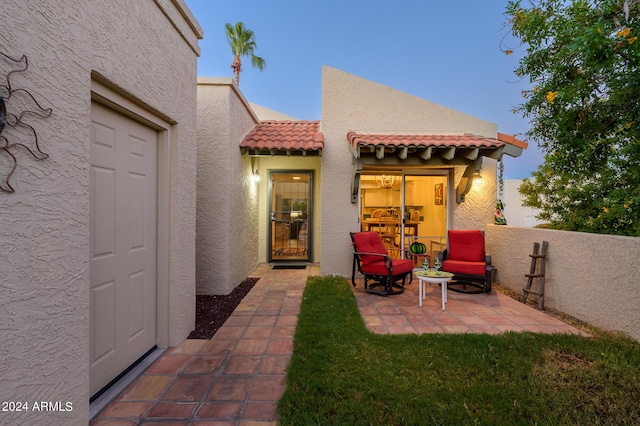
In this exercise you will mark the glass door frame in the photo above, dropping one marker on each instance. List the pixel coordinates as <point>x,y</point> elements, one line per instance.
<point>445,172</point>
<point>310,209</point>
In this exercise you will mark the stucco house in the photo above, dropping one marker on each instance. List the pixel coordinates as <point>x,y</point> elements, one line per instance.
<point>98,240</point>
<point>149,195</point>
<point>374,148</point>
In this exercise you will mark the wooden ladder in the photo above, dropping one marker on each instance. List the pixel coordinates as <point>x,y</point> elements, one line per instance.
<point>533,274</point>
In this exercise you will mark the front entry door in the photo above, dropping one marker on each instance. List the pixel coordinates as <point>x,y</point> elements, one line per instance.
<point>123,243</point>
<point>290,208</point>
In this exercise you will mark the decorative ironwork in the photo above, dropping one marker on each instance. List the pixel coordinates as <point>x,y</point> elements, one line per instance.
<point>27,105</point>
<point>499,218</point>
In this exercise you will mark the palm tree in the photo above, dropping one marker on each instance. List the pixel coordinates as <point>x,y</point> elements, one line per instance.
<point>242,43</point>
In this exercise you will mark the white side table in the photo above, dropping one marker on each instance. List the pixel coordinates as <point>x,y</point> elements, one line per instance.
<point>434,277</point>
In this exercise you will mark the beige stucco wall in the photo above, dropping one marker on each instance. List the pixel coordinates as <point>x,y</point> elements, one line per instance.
<point>350,103</point>
<point>147,52</point>
<point>479,206</point>
<point>591,277</point>
<point>227,207</point>
<point>266,114</point>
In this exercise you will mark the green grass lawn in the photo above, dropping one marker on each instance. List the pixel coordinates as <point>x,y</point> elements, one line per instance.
<point>341,373</point>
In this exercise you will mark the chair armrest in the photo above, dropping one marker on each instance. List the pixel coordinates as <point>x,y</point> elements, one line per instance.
<point>361,253</point>
<point>385,257</point>
<point>407,252</point>
<point>487,259</point>
<point>356,263</point>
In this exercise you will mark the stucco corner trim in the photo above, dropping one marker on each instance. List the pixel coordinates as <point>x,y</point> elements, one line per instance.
<point>182,22</point>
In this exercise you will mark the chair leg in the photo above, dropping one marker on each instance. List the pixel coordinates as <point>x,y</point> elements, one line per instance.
<point>353,271</point>
<point>388,287</point>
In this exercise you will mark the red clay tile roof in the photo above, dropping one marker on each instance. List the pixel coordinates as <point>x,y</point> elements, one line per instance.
<point>421,141</point>
<point>512,140</point>
<point>284,137</point>
<point>430,145</point>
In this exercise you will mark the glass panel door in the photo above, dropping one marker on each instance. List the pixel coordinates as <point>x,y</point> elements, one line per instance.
<point>290,207</point>
<point>406,209</point>
<point>381,208</point>
<point>425,215</point>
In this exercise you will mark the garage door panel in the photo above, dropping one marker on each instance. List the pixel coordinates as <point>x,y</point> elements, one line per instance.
<point>103,305</point>
<point>137,203</point>
<point>103,211</point>
<point>137,305</point>
<point>136,146</point>
<point>104,136</point>
<point>123,243</point>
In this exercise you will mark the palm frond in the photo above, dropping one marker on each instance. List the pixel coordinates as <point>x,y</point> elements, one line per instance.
<point>242,43</point>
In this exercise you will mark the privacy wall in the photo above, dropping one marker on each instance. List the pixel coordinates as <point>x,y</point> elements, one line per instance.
<point>591,277</point>
<point>227,207</point>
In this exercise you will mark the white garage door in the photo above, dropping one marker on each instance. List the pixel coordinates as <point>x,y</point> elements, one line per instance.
<point>123,243</point>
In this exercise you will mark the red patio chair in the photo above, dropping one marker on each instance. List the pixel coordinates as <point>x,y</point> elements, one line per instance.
<point>371,259</point>
<point>466,259</point>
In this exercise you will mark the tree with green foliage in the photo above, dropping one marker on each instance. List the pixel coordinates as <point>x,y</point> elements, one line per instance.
<point>583,62</point>
<point>242,42</point>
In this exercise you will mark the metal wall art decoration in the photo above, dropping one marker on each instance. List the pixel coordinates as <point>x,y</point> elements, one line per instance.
<point>17,105</point>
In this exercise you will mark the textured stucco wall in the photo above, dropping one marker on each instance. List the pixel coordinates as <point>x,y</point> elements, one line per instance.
<point>44,264</point>
<point>352,103</point>
<point>227,207</point>
<point>480,202</point>
<point>591,277</point>
<point>266,114</point>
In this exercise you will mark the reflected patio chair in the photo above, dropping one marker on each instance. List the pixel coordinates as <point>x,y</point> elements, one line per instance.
<point>411,226</point>
<point>465,257</point>
<point>383,275</point>
<point>377,213</point>
<point>389,232</point>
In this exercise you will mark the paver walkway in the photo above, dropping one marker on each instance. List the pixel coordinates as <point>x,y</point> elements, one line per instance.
<point>237,377</point>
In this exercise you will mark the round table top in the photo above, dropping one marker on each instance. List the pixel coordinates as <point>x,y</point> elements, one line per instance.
<point>432,275</point>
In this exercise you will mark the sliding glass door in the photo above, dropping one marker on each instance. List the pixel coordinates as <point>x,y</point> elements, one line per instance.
<point>406,208</point>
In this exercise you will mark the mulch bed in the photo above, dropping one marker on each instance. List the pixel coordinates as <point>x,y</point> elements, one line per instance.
<point>213,311</point>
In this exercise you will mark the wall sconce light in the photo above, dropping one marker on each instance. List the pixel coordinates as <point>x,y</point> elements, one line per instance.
<point>470,178</point>
<point>477,178</point>
<point>255,167</point>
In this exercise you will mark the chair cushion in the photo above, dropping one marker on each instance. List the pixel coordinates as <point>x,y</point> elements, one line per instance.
<point>464,267</point>
<point>369,242</point>
<point>466,245</point>
<point>400,267</point>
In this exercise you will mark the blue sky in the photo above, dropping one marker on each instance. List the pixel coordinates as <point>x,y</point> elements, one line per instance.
<point>445,52</point>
